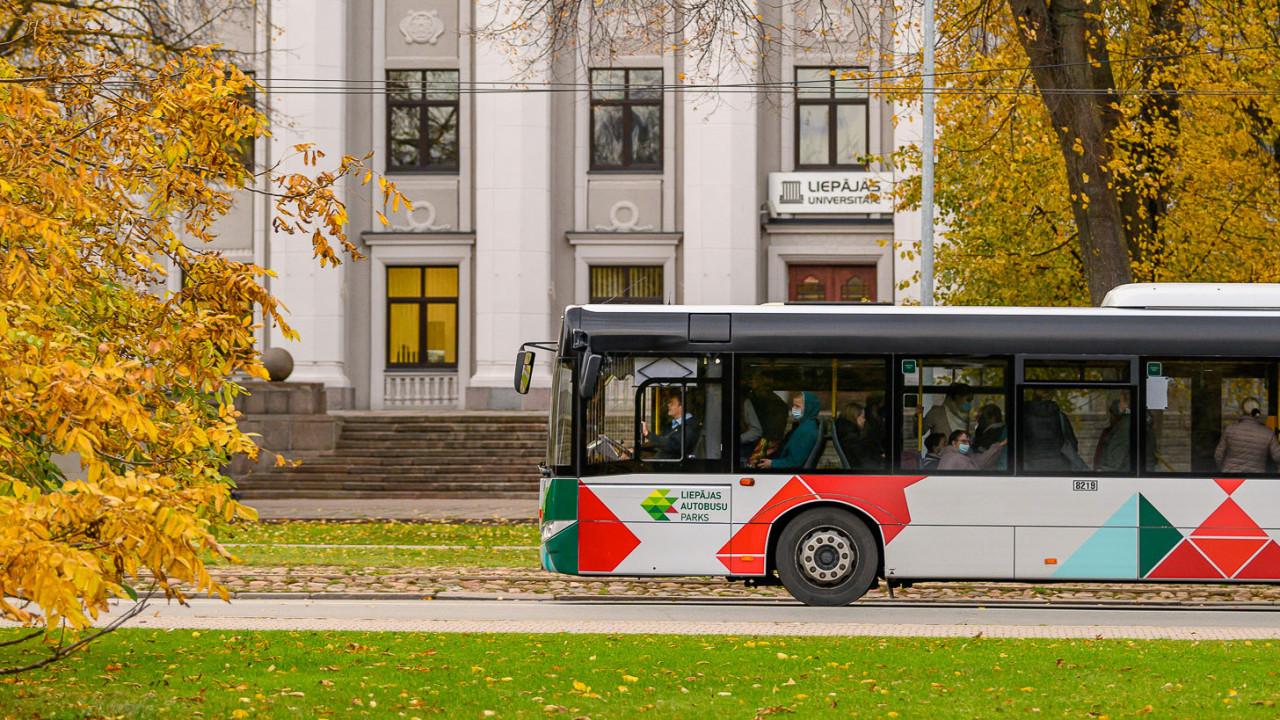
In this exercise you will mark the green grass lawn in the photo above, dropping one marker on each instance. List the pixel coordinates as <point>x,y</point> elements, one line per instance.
<point>465,545</point>
<point>222,674</point>
<point>479,557</point>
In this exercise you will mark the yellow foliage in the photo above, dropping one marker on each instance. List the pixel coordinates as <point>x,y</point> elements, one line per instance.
<point>110,173</point>
<point>1193,159</point>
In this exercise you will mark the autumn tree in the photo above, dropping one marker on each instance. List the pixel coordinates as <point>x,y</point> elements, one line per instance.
<point>1084,144</point>
<point>112,174</point>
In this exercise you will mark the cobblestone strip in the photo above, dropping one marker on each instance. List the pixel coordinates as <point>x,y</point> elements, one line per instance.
<point>320,580</point>
<point>709,628</point>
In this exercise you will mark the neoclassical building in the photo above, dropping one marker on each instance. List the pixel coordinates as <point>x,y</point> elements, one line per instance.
<point>593,181</point>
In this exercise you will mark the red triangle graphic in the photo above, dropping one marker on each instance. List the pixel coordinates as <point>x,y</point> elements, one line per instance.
<point>1230,485</point>
<point>1264,566</point>
<point>885,498</point>
<point>1229,520</point>
<point>1185,563</point>
<point>1229,554</point>
<point>603,541</point>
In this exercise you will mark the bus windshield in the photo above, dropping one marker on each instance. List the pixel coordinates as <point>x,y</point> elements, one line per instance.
<point>560,438</point>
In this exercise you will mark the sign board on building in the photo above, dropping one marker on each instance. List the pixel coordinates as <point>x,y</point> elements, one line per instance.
<point>829,193</point>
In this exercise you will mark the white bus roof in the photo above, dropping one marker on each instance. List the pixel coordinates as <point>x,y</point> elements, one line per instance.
<point>1188,296</point>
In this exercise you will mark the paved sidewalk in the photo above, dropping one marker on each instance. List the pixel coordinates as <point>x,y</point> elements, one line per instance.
<point>709,618</point>
<point>397,509</point>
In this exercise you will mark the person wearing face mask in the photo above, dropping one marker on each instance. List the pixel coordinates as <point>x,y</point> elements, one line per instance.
<point>795,450</point>
<point>952,413</point>
<point>955,455</point>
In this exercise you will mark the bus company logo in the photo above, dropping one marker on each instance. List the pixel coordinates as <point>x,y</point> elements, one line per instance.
<point>659,505</point>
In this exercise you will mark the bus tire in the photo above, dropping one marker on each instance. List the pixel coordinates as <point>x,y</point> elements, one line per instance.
<point>826,557</point>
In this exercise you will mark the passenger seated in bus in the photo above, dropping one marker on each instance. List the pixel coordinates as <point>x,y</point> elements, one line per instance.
<point>1048,440</point>
<point>678,440</point>
<point>991,430</point>
<point>771,415</point>
<point>859,448</point>
<point>955,454</point>
<point>933,443</point>
<point>799,444</point>
<point>1246,443</point>
<point>952,413</point>
<point>1112,454</point>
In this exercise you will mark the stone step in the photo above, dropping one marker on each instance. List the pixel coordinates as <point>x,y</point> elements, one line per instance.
<point>496,440</point>
<point>416,478</point>
<point>421,455</point>
<point>285,494</point>
<point>460,440</point>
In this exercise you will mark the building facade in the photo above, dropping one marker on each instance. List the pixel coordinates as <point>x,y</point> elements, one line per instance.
<point>586,181</point>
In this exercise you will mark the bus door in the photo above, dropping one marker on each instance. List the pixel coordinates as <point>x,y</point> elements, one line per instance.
<point>1077,463</point>
<point>654,496</point>
<point>964,509</point>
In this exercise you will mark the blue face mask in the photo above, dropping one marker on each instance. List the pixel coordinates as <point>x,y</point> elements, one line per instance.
<point>963,448</point>
<point>797,413</point>
<point>966,406</point>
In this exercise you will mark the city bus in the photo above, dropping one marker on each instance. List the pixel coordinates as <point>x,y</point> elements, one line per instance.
<point>831,447</point>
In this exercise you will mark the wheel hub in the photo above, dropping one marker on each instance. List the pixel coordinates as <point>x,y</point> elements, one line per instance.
<point>826,556</point>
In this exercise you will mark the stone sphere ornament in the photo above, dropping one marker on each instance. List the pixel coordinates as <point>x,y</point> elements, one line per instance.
<point>279,364</point>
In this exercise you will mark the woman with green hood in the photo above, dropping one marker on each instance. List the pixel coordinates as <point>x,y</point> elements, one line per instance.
<point>795,451</point>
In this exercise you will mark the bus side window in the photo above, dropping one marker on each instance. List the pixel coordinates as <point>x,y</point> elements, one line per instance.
<point>1075,417</point>
<point>1206,422</point>
<point>946,400</point>
<point>812,413</point>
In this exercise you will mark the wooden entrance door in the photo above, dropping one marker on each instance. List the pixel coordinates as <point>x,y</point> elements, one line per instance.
<point>831,283</point>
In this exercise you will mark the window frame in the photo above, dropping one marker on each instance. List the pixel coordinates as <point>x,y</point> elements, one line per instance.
<point>891,415</point>
<point>1136,396</point>
<point>423,106</point>
<point>423,302</point>
<point>627,103</point>
<point>901,390</point>
<point>832,102</point>
<point>630,282</point>
<point>1272,407</point>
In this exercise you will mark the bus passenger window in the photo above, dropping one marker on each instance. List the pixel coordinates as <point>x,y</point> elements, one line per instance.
<point>1076,430</point>
<point>812,413</point>
<point>953,415</point>
<point>1203,426</point>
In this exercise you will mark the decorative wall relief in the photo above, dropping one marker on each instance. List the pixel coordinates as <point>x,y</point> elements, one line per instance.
<point>416,225</point>
<point>422,26</point>
<point>618,224</point>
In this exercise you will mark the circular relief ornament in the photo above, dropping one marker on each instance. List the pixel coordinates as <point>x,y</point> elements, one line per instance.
<point>422,26</point>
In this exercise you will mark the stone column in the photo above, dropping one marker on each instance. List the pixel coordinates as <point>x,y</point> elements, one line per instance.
<point>310,45</point>
<point>512,220</point>
<point>721,200</point>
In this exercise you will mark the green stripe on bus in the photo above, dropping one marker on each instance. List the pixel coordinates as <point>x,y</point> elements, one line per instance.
<point>561,500</point>
<point>560,551</point>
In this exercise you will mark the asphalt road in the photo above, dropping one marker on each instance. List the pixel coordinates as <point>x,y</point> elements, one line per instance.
<point>722,617</point>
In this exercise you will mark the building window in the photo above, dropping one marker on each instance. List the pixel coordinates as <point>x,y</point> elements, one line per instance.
<point>626,119</point>
<point>422,120</point>
<point>628,284</point>
<point>831,118</point>
<point>422,317</point>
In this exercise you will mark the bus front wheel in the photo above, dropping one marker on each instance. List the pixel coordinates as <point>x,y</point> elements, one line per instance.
<point>826,557</point>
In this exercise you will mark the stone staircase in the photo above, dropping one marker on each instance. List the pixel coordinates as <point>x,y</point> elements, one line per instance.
<point>428,455</point>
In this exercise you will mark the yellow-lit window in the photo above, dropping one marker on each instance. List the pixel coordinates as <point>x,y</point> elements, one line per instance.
<point>422,317</point>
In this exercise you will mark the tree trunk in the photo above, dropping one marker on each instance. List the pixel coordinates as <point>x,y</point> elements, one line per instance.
<point>1071,67</point>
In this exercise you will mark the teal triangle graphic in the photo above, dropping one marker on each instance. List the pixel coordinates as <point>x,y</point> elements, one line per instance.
<point>1156,537</point>
<point>1111,551</point>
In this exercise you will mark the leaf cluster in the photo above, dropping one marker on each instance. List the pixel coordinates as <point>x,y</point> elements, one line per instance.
<point>112,177</point>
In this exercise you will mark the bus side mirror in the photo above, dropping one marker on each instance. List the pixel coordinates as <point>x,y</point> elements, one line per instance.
<point>590,373</point>
<point>524,371</point>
